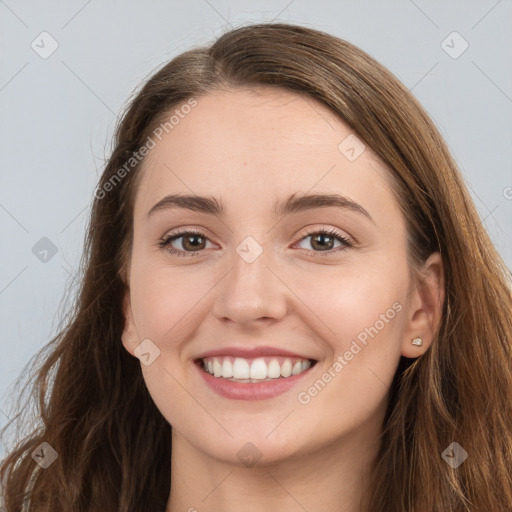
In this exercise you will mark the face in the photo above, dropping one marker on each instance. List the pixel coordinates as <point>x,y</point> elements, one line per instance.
<point>258,281</point>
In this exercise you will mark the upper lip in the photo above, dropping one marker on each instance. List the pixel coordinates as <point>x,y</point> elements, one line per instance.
<point>251,353</point>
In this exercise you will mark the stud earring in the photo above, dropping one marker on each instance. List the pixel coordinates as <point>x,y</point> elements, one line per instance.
<point>417,341</point>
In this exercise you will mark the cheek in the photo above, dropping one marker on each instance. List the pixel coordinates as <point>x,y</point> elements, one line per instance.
<point>362,314</point>
<point>158,299</point>
<point>166,303</point>
<point>367,317</point>
<point>349,302</point>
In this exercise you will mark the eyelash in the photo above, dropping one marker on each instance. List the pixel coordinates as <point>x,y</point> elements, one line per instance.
<point>165,242</point>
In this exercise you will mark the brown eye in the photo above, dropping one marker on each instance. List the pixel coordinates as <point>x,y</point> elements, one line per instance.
<point>192,243</point>
<point>323,241</point>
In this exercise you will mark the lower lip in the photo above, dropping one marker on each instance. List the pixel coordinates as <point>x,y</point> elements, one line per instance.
<point>248,391</point>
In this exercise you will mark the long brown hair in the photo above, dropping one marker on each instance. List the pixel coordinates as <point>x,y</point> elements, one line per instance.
<point>114,446</point>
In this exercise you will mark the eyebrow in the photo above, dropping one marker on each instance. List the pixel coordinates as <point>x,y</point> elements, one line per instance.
<point>210,205</point>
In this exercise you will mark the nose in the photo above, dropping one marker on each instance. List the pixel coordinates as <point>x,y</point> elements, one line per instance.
<point>251,292</point>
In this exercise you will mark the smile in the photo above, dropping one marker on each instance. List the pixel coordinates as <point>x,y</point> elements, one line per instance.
<point>255,370</point>
<point>256,376</point>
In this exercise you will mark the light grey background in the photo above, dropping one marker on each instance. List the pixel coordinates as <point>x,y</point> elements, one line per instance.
<point>57,115</point>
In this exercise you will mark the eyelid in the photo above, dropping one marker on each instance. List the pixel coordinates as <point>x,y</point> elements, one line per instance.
<point>307,231</point>
<point>316,228</point>
<point>165,241</point>
<point>184,230</point>
<point>347,242</point>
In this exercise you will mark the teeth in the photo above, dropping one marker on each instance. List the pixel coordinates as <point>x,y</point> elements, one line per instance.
<point>240,368</point>
<point>274,370</point>
<point>286,368</point>
<point>217,368</point>
<point>258,369</point>
<point>254,370</point>
<point>297,368</point>
<point>227,368</point>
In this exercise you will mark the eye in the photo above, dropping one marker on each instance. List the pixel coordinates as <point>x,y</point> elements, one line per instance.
<point>193,241</point>
<point>323,239</point>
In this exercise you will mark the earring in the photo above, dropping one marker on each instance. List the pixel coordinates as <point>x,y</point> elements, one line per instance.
<point>417,341</point>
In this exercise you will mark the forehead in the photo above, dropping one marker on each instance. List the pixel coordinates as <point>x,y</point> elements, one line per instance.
<point>258,145</point>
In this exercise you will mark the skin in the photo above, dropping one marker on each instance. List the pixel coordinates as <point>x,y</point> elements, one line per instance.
<point>249,148</point>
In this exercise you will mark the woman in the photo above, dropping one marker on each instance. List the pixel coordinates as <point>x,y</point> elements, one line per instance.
<point>372,373</point>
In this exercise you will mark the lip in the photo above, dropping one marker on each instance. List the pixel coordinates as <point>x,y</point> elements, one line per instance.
<point>248,391</point>
<point>251,353</point>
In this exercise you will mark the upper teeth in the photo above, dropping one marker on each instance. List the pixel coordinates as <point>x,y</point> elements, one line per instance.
<point>257,369</point>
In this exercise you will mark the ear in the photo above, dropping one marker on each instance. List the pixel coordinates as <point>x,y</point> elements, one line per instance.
<point>425,306</point>
<point>130,337</point>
